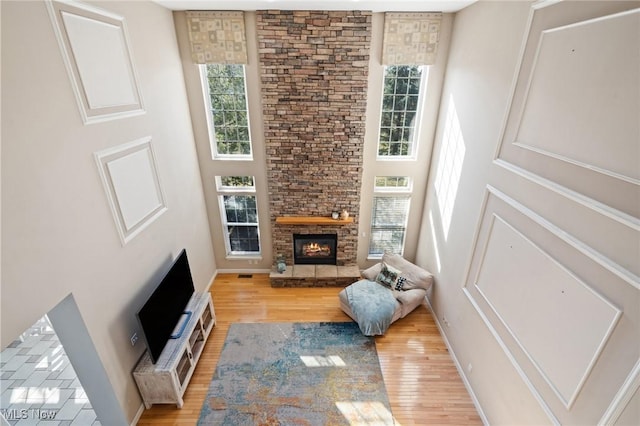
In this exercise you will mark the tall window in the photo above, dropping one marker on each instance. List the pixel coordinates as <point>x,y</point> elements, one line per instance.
<point>401,100</point>
<point>389,216</point>
<point>239,214</point>
<point>229,117</point>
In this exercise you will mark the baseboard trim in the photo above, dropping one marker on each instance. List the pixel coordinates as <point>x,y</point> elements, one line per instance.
<point>213,278</point>
<point>461,372</point>
<point>243,271</point>
<point>136,418</point>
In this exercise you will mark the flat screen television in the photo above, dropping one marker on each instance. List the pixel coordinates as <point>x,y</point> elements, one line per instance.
<point>161,313</point>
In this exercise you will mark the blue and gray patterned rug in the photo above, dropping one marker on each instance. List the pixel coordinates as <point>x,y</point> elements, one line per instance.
<point>297,374</point>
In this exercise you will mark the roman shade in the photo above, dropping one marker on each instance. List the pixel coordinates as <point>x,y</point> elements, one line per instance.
<point>217,37</point>
<point>411,38</point>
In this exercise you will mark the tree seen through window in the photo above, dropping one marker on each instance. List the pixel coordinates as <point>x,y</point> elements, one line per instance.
<point>229,109</point>
<point>400,101</point>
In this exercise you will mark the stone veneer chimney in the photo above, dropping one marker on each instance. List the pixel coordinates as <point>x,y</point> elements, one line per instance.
<point>314,69</point>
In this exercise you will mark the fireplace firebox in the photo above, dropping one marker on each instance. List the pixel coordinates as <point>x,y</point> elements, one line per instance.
<point>315,249</point>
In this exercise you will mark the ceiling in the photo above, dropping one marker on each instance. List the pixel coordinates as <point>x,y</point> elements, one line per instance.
<point>372,5</point>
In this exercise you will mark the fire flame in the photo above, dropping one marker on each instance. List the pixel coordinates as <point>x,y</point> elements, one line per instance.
<point>315,248</point>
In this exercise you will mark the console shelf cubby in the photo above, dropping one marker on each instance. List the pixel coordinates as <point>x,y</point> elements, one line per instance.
<point>166,381</point>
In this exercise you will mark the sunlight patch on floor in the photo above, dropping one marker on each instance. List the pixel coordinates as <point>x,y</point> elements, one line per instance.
<point>323,361</point>
<point>366,413</point>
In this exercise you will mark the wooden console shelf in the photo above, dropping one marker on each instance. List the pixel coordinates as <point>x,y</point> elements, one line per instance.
<point>165,381</point>
<point>311,220</point>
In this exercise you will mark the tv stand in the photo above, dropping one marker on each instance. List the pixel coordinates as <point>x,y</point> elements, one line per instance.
<point>166,381</point>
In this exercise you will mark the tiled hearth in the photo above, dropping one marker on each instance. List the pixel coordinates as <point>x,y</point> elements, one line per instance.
<point>315,276</point>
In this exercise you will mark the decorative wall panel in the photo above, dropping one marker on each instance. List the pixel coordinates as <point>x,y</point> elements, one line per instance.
<point>130,179</point>
<point>544,306</point>
<point>575,108</point>
<point>554,270</point>
<point>96,52</point>
<point>563,318</point>
<point>596,127</point>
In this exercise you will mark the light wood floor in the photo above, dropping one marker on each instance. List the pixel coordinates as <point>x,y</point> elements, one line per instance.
<point>422,382</point>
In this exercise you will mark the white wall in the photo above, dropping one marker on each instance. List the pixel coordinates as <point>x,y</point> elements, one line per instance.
<point>417,170</point>
<point>59,235</point>
<point>210,168</point>
<point>536,288</point>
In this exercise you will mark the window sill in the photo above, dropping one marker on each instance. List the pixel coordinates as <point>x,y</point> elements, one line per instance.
<point>233,158</point>
<point>243,257</point>
<point>400,159</point>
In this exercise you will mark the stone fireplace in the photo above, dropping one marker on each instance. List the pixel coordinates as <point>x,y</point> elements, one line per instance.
<point>315,249</point>
<point>314,71</point>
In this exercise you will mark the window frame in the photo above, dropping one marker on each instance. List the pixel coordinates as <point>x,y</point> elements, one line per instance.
<point>393,189</point>
<point>245,191</point>
<point>417,128</point>
<point>211,130</point>
<point>386,192</point>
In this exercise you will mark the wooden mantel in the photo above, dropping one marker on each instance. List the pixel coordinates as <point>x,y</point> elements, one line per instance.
<point>311,220</point>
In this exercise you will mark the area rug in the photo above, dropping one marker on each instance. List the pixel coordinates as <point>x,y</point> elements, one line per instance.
<point>297,374</point>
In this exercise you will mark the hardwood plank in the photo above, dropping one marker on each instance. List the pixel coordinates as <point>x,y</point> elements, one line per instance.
<point>421,380</point>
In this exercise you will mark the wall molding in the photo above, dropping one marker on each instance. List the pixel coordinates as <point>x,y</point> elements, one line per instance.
<point>130,178</point>
<point>525,379</point>
<point>518,69</point>
<point>568,402</point>
<point>574,162</point>
<point>456,362</point>
<point>613,267</point>
<point>621,217</point>
<point>481,304</point>
<point>623,397</point>
<point>522,105</point>
<point>514,363</point>
<point>104,82</point>
<point>591,178</point>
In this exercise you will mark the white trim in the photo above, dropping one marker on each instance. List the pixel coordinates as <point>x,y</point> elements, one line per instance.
<point>243,271</point>
<point>247,256</point>
<point>415,142</point>
<point>540,4</point>
<point>515,112</point>
<point>103,158</point>
<point>138,415</point>
<point>213,278</point>
<point>206,96</point>
<point>516,75</point>
<point>513,361</point>
<point>456,362</point>
<point>613,267</point>
<point>623,397</point>
<point>568,403</point>
<point>527,90</point>
<point>406,196</point>
<point>601,208</point>
<point>393,189</point>
<point>90,115</point>
<point>574,162</point>
<point>250,255</point>
<point>232,189</point>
